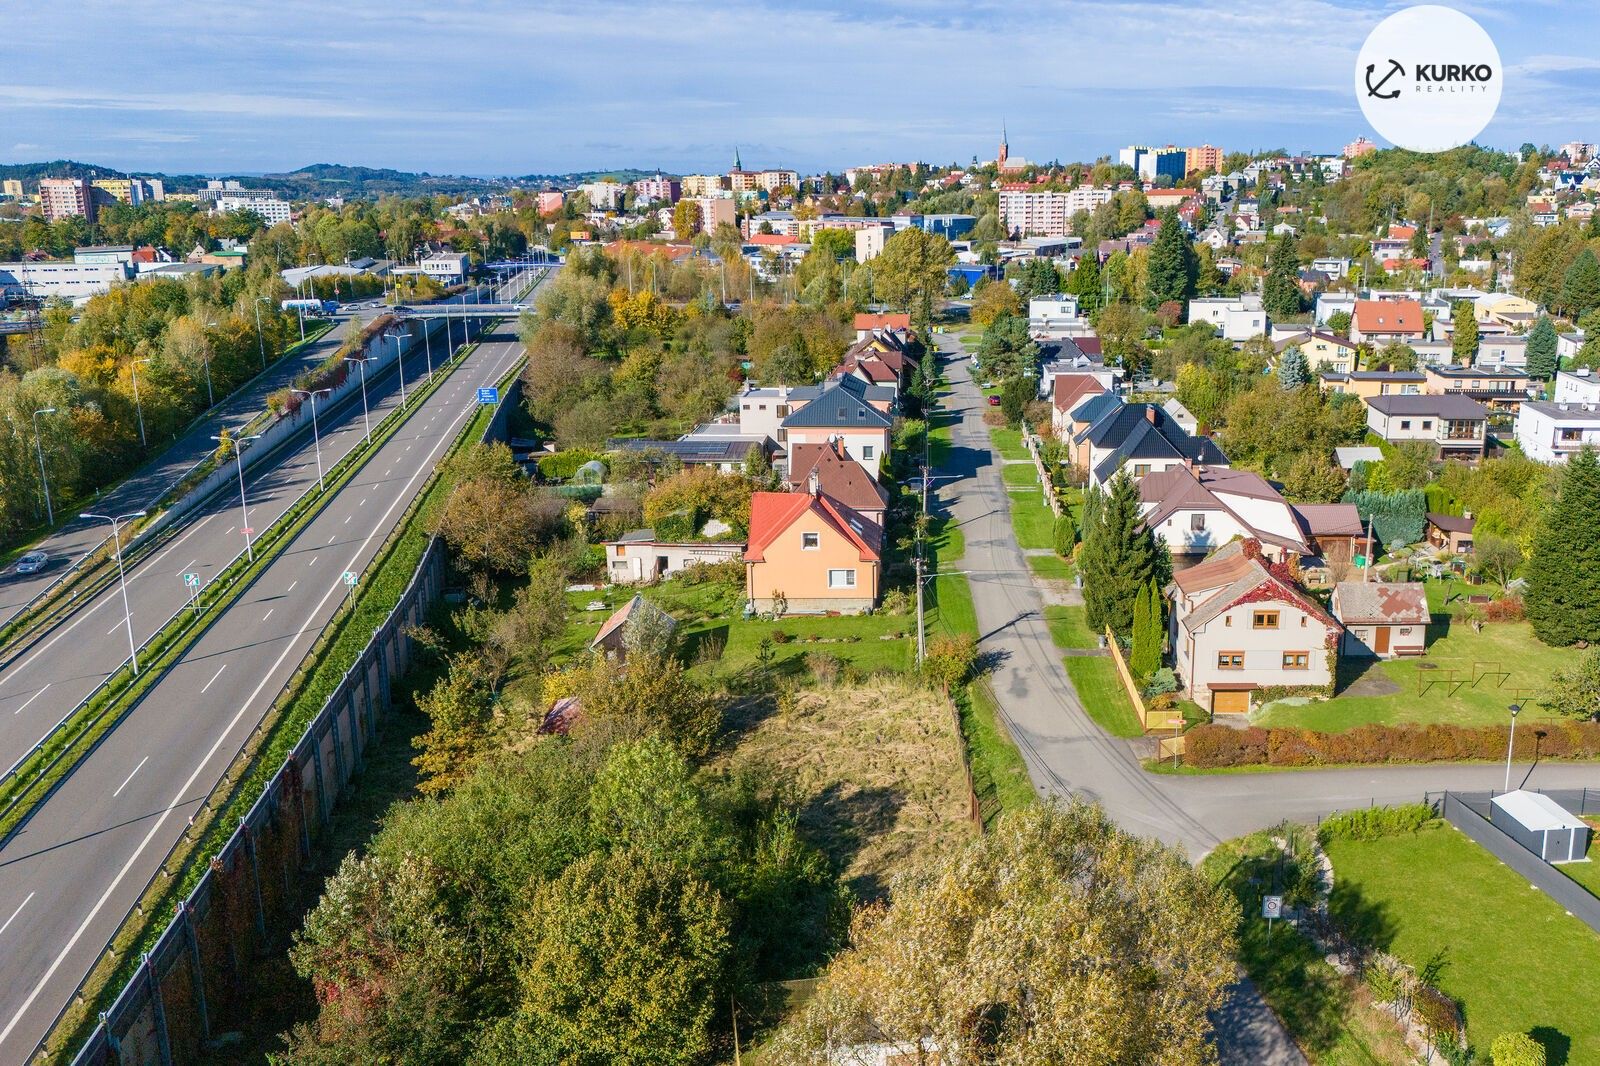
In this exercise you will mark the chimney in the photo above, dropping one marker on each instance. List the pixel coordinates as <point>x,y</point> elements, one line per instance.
<point>1150,413</point>
<point>811,482</point>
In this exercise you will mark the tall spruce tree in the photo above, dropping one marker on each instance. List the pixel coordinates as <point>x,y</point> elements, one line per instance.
<point>1563,597</point>
<point>1293,370</point>
<point>1119,556</point>
<point>1280,294</point>
<point>1543,359</point>
<point>1170,271</point>
<point>1580,288</point>
<point>1464,337</point>
<point>1084,283</point>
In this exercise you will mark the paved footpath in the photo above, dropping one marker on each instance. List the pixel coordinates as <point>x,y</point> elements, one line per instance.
<point>1067,754</point>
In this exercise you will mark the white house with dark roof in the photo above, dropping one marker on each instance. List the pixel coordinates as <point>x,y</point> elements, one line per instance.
<point>1453,424</point>
<point>1552,432</point>
<point>1197,509</point>
<point>842,413</point>
<point>1237,627</point>
<point>1577,386</point>
<point>1143,438</point>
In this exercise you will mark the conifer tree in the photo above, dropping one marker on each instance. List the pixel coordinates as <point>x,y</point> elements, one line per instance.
<point>1543,360</point>
<point>1563,598</point>
<point>1280,294</point>
<point>1119,556</point>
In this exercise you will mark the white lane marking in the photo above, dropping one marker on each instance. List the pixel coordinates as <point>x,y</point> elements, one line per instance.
<point>183,790</point>
<point>268,614</point>
<point>16,912</point>
<point>347,518</point>
<point>331,539</point>
<point>313,561</point>
<point>186,567</point>
<point>214,676</point>
<point>31,698</point>
<point>230,530</point>
<point>292,584</point>
<point>125,780</point>
<point>363,503</point>
<point>114,628</point>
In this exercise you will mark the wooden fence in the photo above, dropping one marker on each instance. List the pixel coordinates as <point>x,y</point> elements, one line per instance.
<point>1148,719</point>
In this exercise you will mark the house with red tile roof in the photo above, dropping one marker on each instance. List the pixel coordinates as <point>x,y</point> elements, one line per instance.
<point>866,322</point>
<point>1196,508</point>
<point>1068,391</point>
<point>812,553</point>
<point>1382,321</point>
<point>1382,618</point>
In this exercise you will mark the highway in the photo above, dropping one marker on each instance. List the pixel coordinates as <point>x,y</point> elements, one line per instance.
<point>78,538</point>
<point>70,877</point>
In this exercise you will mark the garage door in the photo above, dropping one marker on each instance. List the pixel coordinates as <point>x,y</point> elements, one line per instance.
<point>1230,703</point>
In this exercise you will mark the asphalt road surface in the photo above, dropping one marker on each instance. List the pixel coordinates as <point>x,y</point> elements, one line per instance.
<point>69,878</point>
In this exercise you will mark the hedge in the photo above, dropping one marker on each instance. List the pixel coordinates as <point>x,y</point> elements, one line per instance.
<point>1373,823</point>
<point>1213,746</point>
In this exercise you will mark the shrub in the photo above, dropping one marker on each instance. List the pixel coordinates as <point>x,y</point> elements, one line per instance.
<point>1161,682</point>
<point>950,659</point>
<point>1372,823</point>
<point>563,465</point>
<point>896,601</point>
<point>993,416</point>
<point>1505,609</point>
<point>1516,1049</point>
<point>825,669</point>
<point>780,637</point>
<point>1218,746</point>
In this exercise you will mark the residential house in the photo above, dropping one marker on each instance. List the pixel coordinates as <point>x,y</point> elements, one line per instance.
<point>1379,322</point>
<point>1382,619</point>
<point>1068,391</point>
<point>1084,413</point>
<point>1501,388</point>
<point>1369,383</point>
<point>813,553</point>
<point>1067,356</point>
<point>1577,386</point>
<point>1450,532</point>
<point>1507,350</point>
<point>726,453</point>
<point>1145,439</point>
<point>637,557</point>
<point>1551,432</point>
<point>842,412</point>
<point>1196,509</point>
<point>1335,534</point>
<point>1505,310</point>
<point>1182,415</point>
<point>1238,625</point>
<point>1236,318</point>
<point>825,468</point>
<point>1323,351</point>
<point>1453,424</point>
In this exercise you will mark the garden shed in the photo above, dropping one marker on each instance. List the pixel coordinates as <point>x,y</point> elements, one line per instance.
<point>1541,825</point>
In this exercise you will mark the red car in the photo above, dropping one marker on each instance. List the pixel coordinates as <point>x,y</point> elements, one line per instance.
<point>994,401</point>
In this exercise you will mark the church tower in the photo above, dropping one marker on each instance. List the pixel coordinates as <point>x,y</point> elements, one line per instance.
<point>1000,159</point>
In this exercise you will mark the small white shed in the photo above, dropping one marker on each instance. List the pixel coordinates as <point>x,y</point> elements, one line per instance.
<point>1541,825</point>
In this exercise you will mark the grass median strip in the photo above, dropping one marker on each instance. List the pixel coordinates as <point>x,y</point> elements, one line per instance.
<point>326,663</point>
<point>38,775</point>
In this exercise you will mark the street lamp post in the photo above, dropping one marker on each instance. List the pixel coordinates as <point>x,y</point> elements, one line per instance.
<point>361,361</point>
<point>244,509</point>
<point>122,580</point>
<point>400,361</point>
<point>138,407</point>
<point>38,443</point>
<point>427,347</point>
<point>211,399</point>
<point>316,436</point>
<point>1511,744</point>
<point>260,339</point>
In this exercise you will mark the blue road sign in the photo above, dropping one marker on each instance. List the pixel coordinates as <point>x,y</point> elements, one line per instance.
<point>192,580</point>
<point>489,395</point>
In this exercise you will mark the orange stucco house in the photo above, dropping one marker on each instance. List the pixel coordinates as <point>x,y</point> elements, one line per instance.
<point>818,553</point>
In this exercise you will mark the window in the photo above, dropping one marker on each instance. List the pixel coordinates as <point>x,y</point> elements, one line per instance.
<point>1264,620</point>
<point>1571,434</point>
<point>1296,660</point>
<point>1141,469</point>
<point>1427,423</point>
<point>811,541</point>
<point>1230,660</point>
<point>1197,523</point>
<point>1405,423</point>
<point>841,579</point>
<point>866,451</point>
<point>782,410</point>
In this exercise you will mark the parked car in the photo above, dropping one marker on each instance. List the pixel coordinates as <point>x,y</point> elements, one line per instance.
<point>33,562</point>
<point>994,401</point>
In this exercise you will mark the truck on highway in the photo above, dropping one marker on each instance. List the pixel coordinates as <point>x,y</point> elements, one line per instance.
<point>310,307</point>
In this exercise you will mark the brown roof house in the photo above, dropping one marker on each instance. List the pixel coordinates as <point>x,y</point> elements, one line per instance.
<point>636,624</point>
<point>1452,533</point>
<point>826,469</point>
<point>1240,625</point>
<point>1382,619</point>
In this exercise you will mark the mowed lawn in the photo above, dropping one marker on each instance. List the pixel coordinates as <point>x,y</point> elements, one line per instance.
<point>1093,676</point>
<point>1020,476</point>
<point>1051,567</point>
<point>1447,690</point>
<point>1514,958</point>
<point>1031,520</point>
<point>1007,442</point>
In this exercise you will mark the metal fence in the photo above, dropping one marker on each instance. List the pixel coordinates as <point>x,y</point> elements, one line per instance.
<point>191,986</point>
<point>1473,814</point>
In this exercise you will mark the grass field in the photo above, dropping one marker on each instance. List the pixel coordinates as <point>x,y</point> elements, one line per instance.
<point>1586,874</point>
<point>1007,442</point>
<point>1507,952</point>
<point>1020,476</point>
<point>1031,520</point>
<point>1094,677</point>
<point>1068,628</point>
<point>1051,567</point>
<point>1504,646</point>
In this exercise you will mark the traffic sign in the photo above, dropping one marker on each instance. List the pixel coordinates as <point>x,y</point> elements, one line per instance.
<point>489,395</point>
<point>349,577</point>
<point>191,580</point>
<point>1272,907</point>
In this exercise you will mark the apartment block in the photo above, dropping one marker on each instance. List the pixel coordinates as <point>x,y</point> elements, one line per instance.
<point>66,197</point>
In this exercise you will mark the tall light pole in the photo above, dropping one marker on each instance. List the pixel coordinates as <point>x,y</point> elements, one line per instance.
<point>244,509</point>
<point>261,340</point>
<point>1511,744</point>
<point>316,435</point>
<point>122,579</point>
<point>400,361</point>
<point>38,443</point>
<point>211,400</point>
<point>361,361</point>
<point>427,346</point>
<point>138,407</point>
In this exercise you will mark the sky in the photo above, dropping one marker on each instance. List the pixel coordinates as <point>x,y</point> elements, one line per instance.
<point>500,87</point>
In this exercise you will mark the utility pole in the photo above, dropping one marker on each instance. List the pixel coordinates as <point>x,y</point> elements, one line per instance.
<point>260,340</point>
